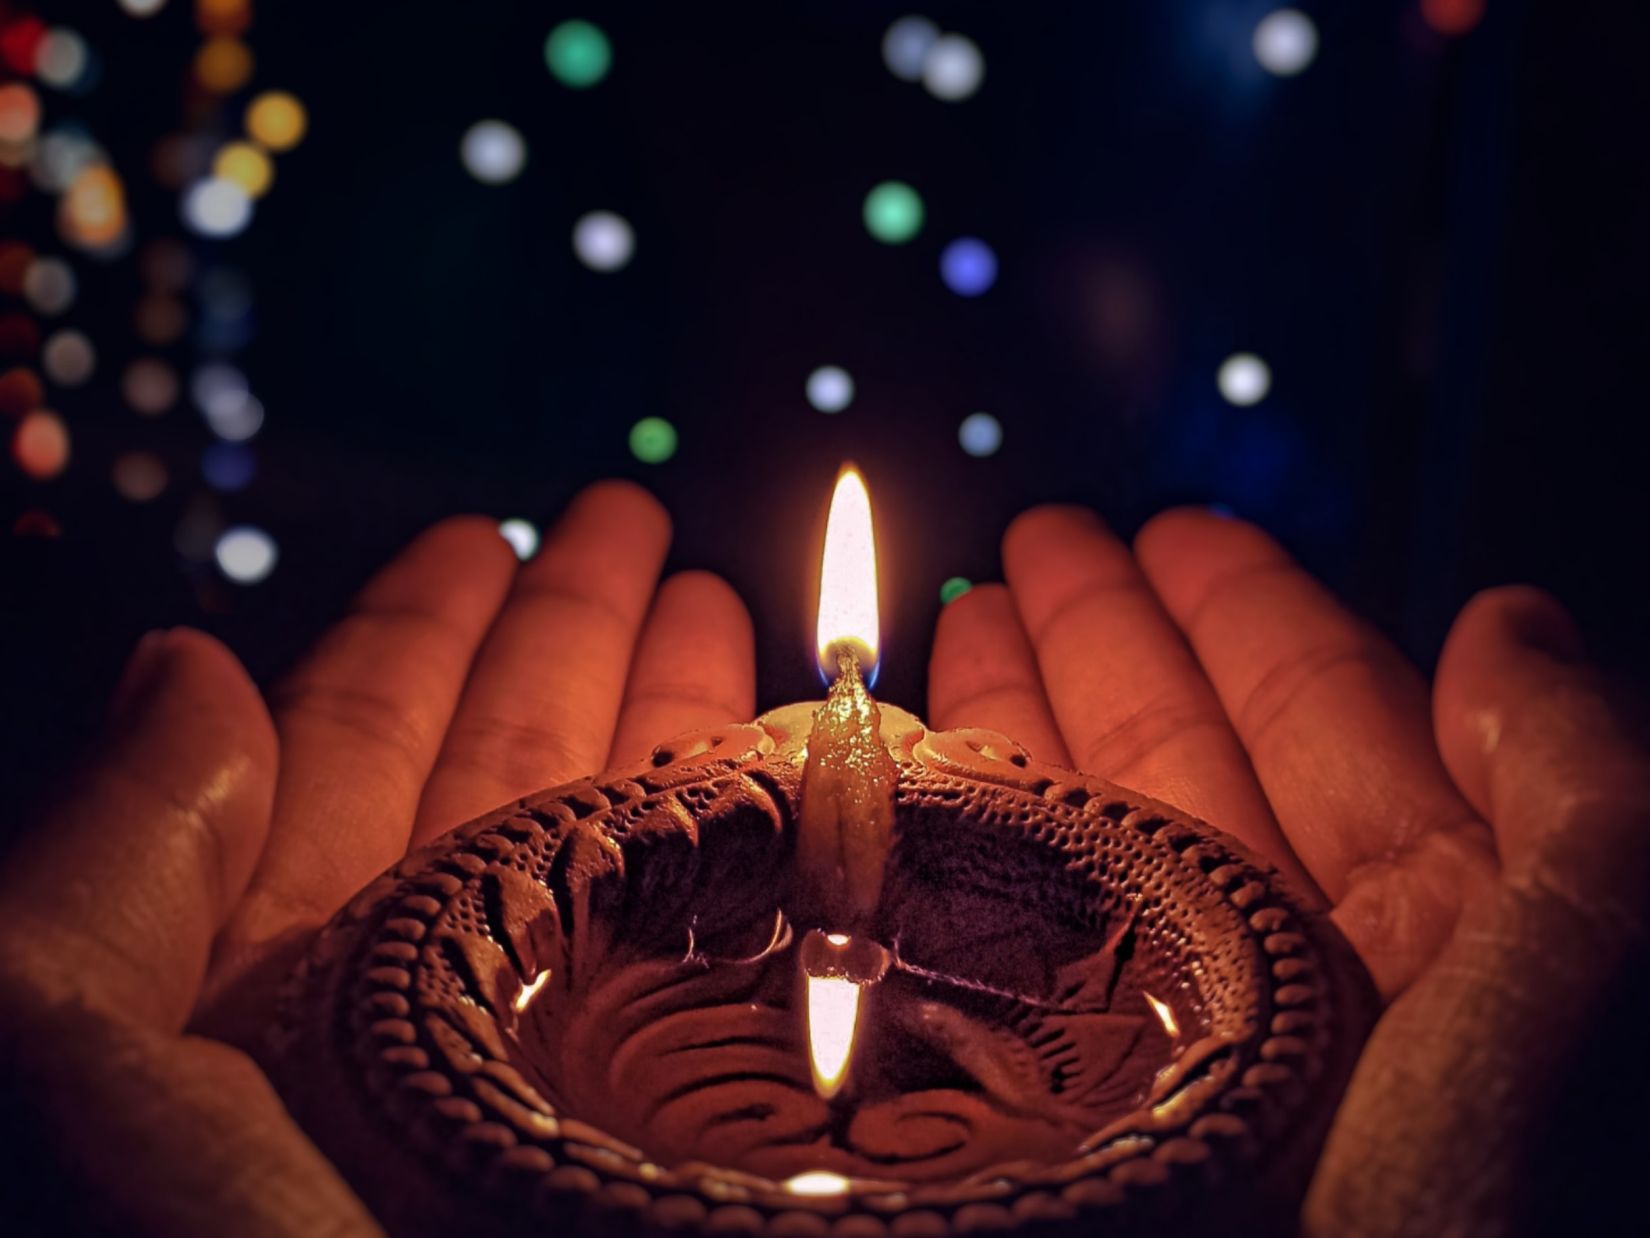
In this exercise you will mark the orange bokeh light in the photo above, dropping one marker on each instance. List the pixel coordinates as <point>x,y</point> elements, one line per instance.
<point>19,112</point>
<point>223,65</point>
<point>41,445</point>
<point>92,213</point>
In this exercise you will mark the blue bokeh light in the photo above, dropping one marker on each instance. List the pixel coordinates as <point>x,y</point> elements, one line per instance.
<point>229,466</point>
<point>968,266</point>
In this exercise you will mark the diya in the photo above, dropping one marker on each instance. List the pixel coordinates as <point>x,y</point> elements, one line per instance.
<point>826,973</point>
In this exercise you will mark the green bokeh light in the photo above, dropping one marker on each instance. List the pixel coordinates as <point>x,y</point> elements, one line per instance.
<point>578,54</point>
<point>954,588</point>
<point>653,440</point>
<point>893,212</point>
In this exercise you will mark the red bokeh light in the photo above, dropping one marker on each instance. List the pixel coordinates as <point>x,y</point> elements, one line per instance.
<point>1452,17</point>
<point>20,43</point>
<point>41,445</point>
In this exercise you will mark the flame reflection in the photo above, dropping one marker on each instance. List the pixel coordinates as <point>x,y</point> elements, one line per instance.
<point>833,1015</point>
<point>1165,1016</point>
<point>817,1182</point>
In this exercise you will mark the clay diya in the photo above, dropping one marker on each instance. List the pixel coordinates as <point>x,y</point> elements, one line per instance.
<point>826,973</point>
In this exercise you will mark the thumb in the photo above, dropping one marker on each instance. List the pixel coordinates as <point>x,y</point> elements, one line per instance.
<point>112,902</point>
<point>1464,1111</point>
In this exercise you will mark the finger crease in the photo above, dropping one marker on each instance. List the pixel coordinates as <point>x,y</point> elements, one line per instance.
<point>1097,591</point>
<point>1290,677</point>
<point>1216,591</point>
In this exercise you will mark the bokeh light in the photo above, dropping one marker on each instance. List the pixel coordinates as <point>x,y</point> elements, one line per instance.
<point>245,554</point>
<point>954,588</point>
<point>604,241</point>
<point>61,59</point>
<point>143,8</point>
<point>830,389</point>
<point>197,533</point>
<point>1285,42</point>
<point>223,16</point>
<point>150,386</point>
<point>653,440</point>
<point>61,155</point>
<point>166,265</point>
<point>245,165</point>
<point>905,46</point>
<point>522,535</point>
<point>139,476</point>
<point>92,211</point>
<point>36,523</point>
<point>15,260</point>
<point>68,358</point>
<point>41,445</point>
<point>217,386</point>
<point>19,112</point>
<point>578,54</point>
<point>980,434</point>
<point>20,391</point>
<point>1452,17</point>
<point>159,319</point>
<point>1244,379</point>
<point>276,120</point>
<point>968,266</point>
<point>216,208</point>
<point>893,212</point>
<point>223,65</point>
<point>229,466</point>
<point>493,152</point>
<point>953,68</point>
<point>49,285</point>
<point>236,420</point>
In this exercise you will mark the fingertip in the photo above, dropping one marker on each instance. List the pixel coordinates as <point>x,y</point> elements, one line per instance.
<point>699,592</point>
<point>983,603</point>
<point>1036,526</point>
<point>194,672</point>
<point>1522,615</point>
<point>473,533</point>
<point>1185,551</point>
<point>622,501</point>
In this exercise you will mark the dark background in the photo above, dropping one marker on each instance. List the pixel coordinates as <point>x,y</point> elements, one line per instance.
<point>1438,244</point>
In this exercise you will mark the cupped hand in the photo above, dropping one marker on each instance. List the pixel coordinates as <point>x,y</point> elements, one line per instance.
<point>1487,852</point>
<point>145,924</point>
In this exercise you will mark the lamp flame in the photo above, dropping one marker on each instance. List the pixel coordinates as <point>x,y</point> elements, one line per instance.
<point>833,1016</point>
<point>848,578</point>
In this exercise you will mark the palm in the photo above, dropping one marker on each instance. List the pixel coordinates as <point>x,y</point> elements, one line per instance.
<point>1454,840</point>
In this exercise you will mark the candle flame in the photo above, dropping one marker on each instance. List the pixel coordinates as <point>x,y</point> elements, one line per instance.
<point>833,1016</point>
<point>848,577</point>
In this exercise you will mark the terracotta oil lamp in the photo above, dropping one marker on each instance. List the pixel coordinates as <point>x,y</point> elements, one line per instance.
<point>827,973</point>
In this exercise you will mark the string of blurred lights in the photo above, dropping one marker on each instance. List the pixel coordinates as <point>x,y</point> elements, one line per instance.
<point>196,312</point>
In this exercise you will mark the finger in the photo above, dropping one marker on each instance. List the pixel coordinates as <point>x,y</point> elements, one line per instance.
<point>543,697</point>
<point>695,666</point>
<point>1127,693</point>
<point>983,673</point>
<point>113,902</point>
<point>1336,723</point>
<point>361,721</point>
<point>1533,738</point>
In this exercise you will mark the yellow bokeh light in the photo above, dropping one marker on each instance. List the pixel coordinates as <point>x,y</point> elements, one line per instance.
<point>92,211</point>
<point>276,120</point>
<point>223,65</point>
<point>245,165</point>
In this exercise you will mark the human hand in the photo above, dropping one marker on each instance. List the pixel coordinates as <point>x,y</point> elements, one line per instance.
<point>145,924</point>
<point>1487,856</point>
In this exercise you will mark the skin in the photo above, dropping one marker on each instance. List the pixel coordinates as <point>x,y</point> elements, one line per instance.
<point>144,925</point>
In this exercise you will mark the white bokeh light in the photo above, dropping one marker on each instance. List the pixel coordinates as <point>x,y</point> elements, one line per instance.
<point>830,389</point>
<point>905,46</point>
<point>1285,42</point>
<point>604,241</point>
<point>1244,379</point>
<point>49,285</point>
<point>522,535</point>
<point>953,68</point>
<point>216,207</point>
<point>980,434</point>
<point>217,387</point>
<point>61,58</point>
<point>68,358</point>
<point>143,8</point>
<point>493,152</point>
<point>245,554</point>
<point>237,420</point>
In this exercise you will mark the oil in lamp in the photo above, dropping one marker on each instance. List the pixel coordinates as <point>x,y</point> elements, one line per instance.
<point>826,973</point>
